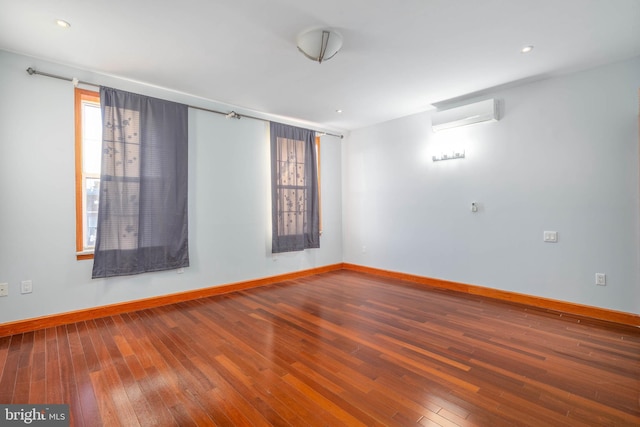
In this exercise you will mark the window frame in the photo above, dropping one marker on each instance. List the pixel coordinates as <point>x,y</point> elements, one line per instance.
<point>319,183</point>
<point>283,143</point>
<point>318,177</point>
<point>81,96</point>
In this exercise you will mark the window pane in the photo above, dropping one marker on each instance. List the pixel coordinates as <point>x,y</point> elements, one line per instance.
<point>292,206</point>
<point>91,138</point>
<point>92,193</point>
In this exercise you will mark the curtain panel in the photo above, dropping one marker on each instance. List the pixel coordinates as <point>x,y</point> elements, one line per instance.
<point>294,189</point>
<point>142,211</point>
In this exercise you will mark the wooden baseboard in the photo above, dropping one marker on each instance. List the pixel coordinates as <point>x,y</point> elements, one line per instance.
<point>585,311</point>
<point>533,301</point>
<point>53,320</point>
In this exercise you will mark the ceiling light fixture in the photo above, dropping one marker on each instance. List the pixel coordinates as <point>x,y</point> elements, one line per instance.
<point>339,111</point>
<point>62,23</point>
<point>319,45</point>
<point>526,49</point>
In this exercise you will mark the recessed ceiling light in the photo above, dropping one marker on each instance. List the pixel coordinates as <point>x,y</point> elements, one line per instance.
<point>339,111</point>
<point>526,49</point>
<point>62,23</point>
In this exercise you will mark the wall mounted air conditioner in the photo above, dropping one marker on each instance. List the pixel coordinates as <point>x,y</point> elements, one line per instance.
<point>478,112</point>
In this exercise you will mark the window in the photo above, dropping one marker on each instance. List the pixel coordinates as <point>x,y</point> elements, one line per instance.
<point>142,225</point>
<point>295,202</point>
<point>88,129</point>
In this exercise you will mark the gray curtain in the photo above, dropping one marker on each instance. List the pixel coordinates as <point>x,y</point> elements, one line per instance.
<point>294,189</point>
<point>142,212</point>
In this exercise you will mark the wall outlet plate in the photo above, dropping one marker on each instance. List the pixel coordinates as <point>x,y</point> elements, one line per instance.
<point>26,287</point>
<point>4,289</point>
<point>601,279</point>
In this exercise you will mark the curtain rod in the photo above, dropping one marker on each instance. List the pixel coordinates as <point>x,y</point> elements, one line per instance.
<point>229,115</point>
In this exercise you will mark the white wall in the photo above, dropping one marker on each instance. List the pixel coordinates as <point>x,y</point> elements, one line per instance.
<point>564,157</point>
<point>229,202</point>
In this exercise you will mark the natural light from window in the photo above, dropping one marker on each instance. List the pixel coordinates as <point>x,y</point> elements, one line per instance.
<point>88,148</point>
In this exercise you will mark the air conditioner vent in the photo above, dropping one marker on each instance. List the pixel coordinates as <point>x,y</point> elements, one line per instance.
<point>478,112</point>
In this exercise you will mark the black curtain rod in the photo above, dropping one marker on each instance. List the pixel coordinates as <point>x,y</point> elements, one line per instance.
<point>229,115</point>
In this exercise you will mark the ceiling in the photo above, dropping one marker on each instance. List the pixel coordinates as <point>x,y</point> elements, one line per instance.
<point>399,56</point>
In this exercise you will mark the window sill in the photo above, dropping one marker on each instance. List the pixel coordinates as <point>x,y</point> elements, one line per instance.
<point>84,255</point>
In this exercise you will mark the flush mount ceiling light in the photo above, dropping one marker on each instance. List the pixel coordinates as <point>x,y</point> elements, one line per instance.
<point>319,45</point>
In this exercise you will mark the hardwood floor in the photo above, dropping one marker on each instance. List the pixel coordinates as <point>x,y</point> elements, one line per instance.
<point>340,348</point>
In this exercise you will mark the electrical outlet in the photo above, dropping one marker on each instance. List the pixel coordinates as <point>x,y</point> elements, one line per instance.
<point>26,287</point>
<point>4,289</point>
<point>601,279</point>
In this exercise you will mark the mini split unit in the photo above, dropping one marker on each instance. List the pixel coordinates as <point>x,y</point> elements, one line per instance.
<point>478,112</point>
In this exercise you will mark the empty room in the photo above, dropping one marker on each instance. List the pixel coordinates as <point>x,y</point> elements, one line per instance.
<point>297,213</point>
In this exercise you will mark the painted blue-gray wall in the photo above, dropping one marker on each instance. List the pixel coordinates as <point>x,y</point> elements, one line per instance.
<point>229,203</point>
<point>564,157</point>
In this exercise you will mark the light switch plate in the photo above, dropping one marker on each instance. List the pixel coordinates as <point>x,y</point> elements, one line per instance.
<point>4,289</point>
<point>551,236</point>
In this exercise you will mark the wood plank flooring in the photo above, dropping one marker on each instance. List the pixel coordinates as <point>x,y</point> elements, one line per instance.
<point>340,348</point>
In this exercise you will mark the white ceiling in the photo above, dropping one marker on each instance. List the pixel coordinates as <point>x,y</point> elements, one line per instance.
<point>398,58</point>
